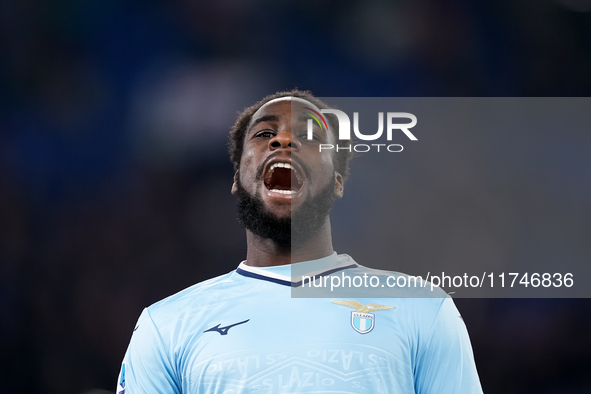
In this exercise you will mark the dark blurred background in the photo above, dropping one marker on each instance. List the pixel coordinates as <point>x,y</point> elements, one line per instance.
<point>114,177</point>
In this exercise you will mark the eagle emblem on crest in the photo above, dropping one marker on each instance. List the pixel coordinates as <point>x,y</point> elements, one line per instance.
<point>359,307</point>
<point>361,320</point>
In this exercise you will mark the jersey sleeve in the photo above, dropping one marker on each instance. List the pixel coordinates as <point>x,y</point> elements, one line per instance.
<point>147,367</point>
<point>445,362</point>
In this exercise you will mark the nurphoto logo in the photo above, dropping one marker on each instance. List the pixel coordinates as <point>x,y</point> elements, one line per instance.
<point>345,129</point>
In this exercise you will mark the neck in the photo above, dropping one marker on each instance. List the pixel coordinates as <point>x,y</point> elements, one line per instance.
<point>263,252</point>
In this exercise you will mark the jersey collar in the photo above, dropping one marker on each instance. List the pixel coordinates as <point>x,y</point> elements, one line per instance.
<point>291,274</point>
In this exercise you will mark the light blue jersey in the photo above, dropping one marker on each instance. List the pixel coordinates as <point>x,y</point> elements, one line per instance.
<point>243,333</point>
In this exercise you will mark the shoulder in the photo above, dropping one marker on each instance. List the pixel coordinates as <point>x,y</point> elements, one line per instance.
<point>197,297</point>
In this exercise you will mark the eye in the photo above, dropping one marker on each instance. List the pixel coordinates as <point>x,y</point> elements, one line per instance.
<point>265,134</point>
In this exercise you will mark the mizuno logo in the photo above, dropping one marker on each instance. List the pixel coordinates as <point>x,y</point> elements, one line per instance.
<point>224,330</point>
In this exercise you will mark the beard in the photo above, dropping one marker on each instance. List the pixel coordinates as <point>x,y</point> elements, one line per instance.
<point>295,230</point>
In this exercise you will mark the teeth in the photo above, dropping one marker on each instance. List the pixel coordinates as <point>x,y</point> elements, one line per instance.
<point>281,165</point>
<point>283,191</point>
<point>285,165</point>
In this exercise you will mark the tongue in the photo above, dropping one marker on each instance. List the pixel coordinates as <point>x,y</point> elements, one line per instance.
<point>281,179</point>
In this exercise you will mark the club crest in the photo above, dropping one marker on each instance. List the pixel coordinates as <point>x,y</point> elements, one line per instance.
<point>361,320</point>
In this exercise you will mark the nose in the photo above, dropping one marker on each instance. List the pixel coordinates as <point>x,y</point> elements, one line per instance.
<point>283,140</point>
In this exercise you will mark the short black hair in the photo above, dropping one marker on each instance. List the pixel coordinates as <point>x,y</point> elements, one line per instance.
<point>238,131</point>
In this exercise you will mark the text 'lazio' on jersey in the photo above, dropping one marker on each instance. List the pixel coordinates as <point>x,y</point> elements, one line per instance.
<point>243,333</point>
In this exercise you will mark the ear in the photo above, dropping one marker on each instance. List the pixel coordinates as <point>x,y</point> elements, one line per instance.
<point>235,185</point>
<point>339,185</point>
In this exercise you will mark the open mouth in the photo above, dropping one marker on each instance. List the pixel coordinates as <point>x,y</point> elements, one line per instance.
<point>283,178</point>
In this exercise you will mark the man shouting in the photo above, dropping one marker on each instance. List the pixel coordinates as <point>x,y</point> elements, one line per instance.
<point>244,333</point>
